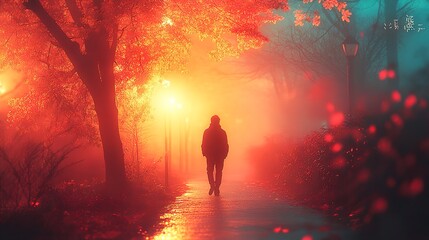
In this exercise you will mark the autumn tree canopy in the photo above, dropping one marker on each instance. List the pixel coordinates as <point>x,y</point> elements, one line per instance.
<point>69,48</point>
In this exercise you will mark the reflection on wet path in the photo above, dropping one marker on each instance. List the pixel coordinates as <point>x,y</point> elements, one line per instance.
<point>242,212</point>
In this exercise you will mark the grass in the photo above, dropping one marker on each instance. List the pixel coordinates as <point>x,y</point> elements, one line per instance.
<point>86,211</point>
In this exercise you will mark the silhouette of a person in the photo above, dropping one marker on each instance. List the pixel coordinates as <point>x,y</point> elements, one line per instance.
<point>215,148</point>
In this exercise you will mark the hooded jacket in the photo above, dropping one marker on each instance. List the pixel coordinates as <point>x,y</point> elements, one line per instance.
<point>215,142</point>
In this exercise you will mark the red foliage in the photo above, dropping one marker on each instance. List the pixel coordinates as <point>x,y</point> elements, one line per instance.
<point>362,169</point>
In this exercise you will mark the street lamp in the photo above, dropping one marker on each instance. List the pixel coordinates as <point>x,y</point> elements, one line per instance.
<point>167,132</point>
<point>350,48</point>
<point>171,105</point>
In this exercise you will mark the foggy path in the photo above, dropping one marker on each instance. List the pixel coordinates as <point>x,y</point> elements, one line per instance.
<point>242,212</point>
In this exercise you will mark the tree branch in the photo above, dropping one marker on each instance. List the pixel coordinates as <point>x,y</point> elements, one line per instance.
<point>70,47</point>
<point>75,13</point>
<point>115,40</point>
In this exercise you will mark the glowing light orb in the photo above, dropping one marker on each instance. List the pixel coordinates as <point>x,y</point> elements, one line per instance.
<point>410,101</point>
<point>336,147</point>
<point>416,186</point>
<point>330,107</point>
<point>386,74</point>
<point>166,21</point>
<point>372,129</point>
<point>412,188</point>
<point>384,146</point>
<point>307,237</point>
<point>391,74</point>
<point>396,96</point>
<point>363,176</point>
<point>338,163</point>
<point>336,119</point>
<point>397,120</point>
<point>329,137</point>
<point>379,205</point>
<point>382,75</point>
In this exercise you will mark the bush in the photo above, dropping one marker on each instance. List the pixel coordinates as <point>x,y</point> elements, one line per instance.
<point>27,171</point>
<point>370,171</point>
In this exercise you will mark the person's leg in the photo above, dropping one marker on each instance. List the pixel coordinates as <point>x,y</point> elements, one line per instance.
<point>210,169</point>
<point>219,168</point>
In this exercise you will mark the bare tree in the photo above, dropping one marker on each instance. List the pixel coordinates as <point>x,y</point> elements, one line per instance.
<point>27,172</point>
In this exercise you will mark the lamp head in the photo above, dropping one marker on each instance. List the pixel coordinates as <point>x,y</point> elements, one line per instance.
<point>350,46</point>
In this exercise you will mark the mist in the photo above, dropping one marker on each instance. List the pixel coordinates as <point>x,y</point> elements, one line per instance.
<point>244,92</point>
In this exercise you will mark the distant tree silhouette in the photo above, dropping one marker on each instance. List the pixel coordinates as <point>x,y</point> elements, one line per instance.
<point>100,42</point>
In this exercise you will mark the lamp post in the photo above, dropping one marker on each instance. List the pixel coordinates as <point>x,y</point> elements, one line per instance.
<point>167,129</point>
<point>186,143</point>
<point>166,151</point>
<point>172,104</point>
<point>350,48</point>
<point>2,112</point>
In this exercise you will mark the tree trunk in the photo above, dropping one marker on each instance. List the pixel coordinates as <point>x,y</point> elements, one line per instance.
<point>101,84</point>
<point>95,69</point>
<point>107,114</point>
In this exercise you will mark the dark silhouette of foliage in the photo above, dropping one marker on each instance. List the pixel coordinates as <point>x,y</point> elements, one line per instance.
<point>372,171</point>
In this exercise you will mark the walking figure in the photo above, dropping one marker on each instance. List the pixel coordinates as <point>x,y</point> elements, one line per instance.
<point>215,148</point>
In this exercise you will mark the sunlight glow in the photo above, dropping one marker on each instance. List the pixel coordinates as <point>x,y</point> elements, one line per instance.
<point>165,83</point>
<point>172,229</point>
<point>166,21</point>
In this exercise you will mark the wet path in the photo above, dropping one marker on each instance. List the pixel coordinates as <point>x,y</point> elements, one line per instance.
<point>243,212</point>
